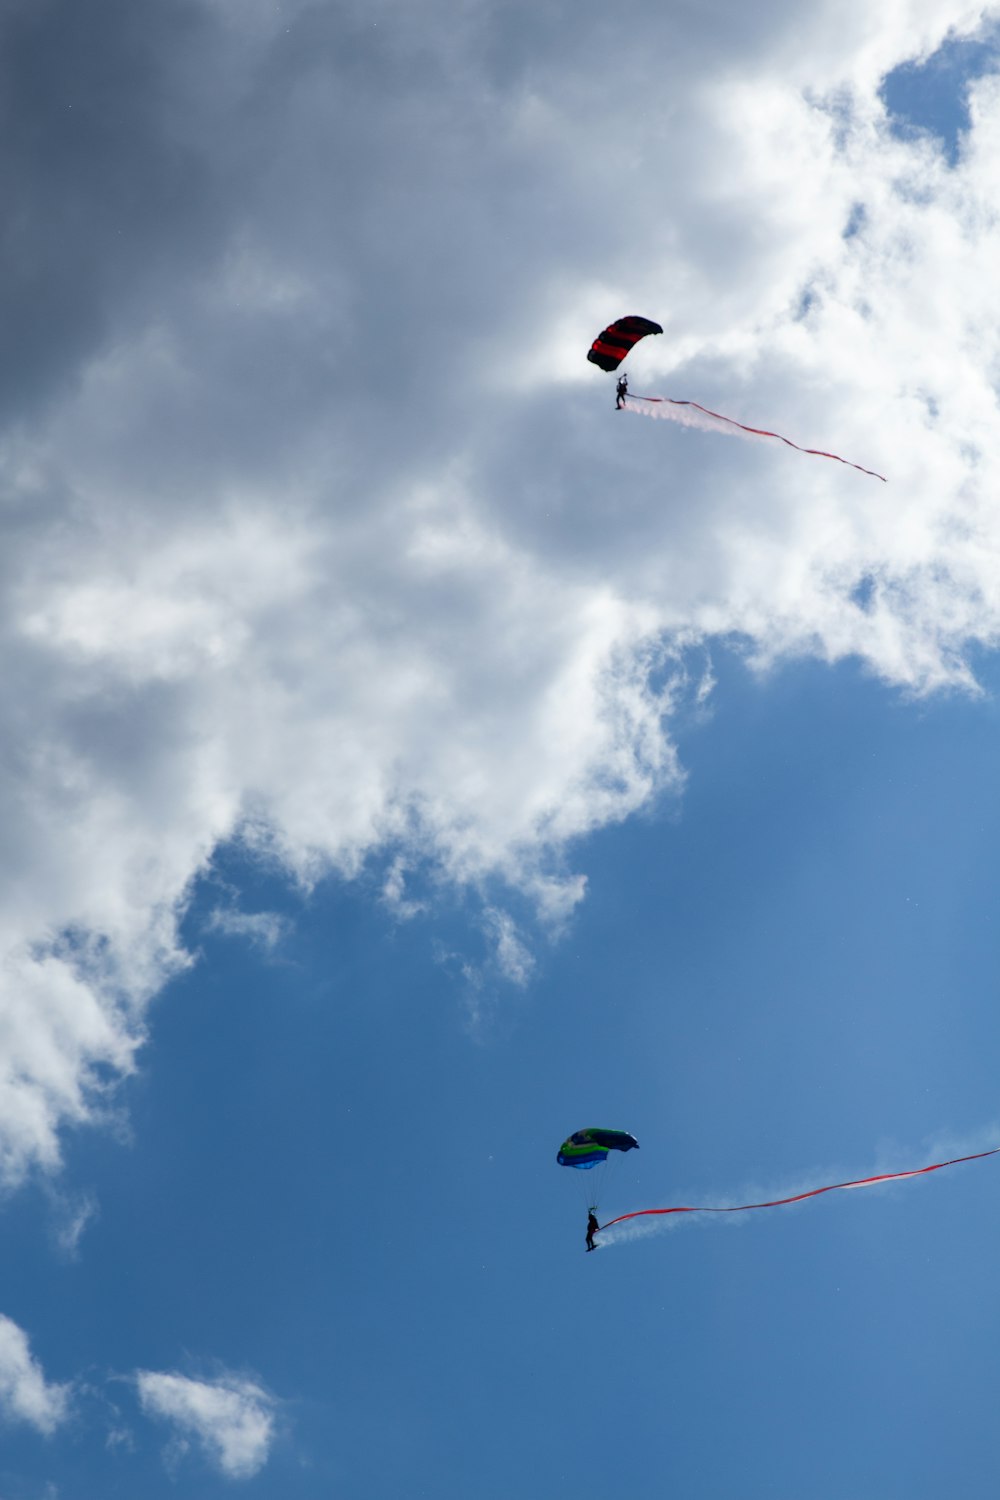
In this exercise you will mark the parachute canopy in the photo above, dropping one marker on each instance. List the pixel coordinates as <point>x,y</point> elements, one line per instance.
<point>610,347</point>
<point>588,1148</point>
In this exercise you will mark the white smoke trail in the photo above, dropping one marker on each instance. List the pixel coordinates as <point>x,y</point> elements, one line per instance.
<point>664,409</point>
<point>693,414</point>
<point>955,1150</point>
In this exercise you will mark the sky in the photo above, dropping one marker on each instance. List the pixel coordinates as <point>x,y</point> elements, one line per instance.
<point>407,760</point>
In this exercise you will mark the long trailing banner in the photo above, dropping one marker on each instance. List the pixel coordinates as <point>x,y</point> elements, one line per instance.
<point>832,1187</point>
<point>693,414</point>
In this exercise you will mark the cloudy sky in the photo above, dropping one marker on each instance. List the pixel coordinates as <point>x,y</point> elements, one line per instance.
<point>407,760</point>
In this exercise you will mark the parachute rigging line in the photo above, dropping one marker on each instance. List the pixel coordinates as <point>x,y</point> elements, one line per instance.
<point>762,432</point>
<point>832,1187</point>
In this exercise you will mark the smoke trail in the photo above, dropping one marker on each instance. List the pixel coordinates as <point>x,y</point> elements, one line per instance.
<point>693,414</point>
<point>659,1214</point>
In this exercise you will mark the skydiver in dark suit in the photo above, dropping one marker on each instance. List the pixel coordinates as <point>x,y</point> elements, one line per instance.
<point>592,1228</point>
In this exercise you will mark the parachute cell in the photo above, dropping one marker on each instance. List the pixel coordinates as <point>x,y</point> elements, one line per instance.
<point>610,347</point>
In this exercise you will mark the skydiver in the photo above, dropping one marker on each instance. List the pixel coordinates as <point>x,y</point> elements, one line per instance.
<point>621,391</point>
<point>592,1228</point>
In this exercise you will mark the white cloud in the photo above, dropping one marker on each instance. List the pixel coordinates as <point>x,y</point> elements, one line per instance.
<point>512,958</point>
<point>232,1419</point>
<point>25,1394</point>
<point>394,892</point>
<point>326,538</point>
<point>73,1213</point>
<point>265,929</point>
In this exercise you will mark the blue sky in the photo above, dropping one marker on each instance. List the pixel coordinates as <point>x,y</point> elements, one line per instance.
<point>408,762</point>
<point>787,981</point>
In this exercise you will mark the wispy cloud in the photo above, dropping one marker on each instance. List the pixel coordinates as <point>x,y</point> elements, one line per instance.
<point>511,956</point>
<point>265,929</point>
<point>25,1394</point>
<point>72,1213</point>
<point>394,891</point>
<point>231,1419</point>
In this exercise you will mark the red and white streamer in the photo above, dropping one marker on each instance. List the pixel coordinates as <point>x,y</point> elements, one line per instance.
<point>693,414</point>
<point>832,1187</point>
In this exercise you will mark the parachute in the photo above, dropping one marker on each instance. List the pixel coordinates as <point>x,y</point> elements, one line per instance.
<point>589,1148</point>
<point>610,347</point>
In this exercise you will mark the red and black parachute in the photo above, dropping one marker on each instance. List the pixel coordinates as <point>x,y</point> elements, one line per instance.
<point>610,347</point>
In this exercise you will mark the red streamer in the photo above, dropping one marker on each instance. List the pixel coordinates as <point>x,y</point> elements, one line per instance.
<point>756,431</point>
<point>832,1187</point>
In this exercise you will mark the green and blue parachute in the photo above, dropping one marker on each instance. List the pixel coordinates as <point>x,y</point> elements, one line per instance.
<point>589,1148</point>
